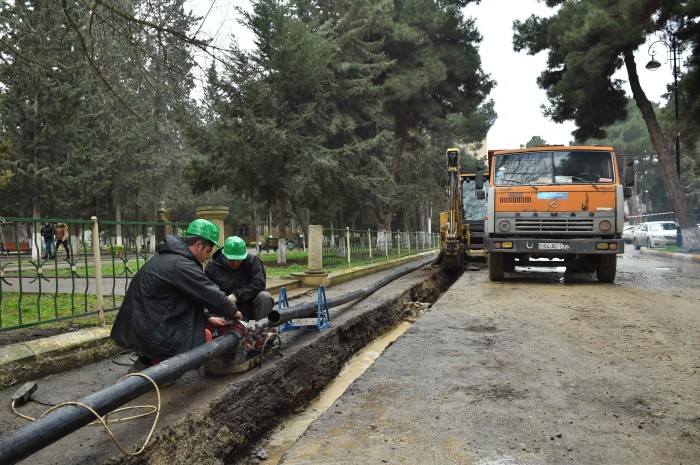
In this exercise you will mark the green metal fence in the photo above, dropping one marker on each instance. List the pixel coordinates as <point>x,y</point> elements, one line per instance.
<point>91,275</point>
<point>346,246</point>
<point>87,276</point>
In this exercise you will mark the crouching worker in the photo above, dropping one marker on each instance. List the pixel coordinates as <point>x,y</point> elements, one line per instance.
<point>242,277</point>
<point>163,313</point>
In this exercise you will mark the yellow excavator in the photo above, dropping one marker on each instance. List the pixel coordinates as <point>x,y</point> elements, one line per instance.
<point>462,224</point>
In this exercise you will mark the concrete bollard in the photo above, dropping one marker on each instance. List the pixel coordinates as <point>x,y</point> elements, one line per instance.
<point>215,214</point>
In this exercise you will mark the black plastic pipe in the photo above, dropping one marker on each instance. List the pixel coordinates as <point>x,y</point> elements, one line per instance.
<point>59,423</point>
<point>307,310</point>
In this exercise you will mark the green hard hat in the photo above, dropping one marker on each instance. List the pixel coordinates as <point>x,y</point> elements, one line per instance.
<point>234,248</point>
<point>206,229</point>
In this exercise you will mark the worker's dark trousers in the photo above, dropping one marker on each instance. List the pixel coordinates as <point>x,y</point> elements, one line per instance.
<point>259,308</point>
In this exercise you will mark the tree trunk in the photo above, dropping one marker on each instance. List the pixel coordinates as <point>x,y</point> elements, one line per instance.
<point>634,209</point>
<point>341,218</point>
<point>118,219</point>
<point>303,224</point>
<point>664,145</point>
<point>37,240</point>
<point>269,223</point>
<point>420,217</point>
<point>401,133</point>
<point>282,242</point>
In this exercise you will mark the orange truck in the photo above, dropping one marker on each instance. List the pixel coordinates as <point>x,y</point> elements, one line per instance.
<point>554,206</point>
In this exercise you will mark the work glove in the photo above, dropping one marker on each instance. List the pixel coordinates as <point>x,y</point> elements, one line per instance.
<point>232,298</point>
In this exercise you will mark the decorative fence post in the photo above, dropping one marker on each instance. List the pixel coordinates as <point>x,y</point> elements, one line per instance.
<point>369,243</point>
<point>347,242</point>
<point>314,275</point>
<point>386,245</point>
<point>98,271</point>
<point>315,256</point>
<point>215,214</point>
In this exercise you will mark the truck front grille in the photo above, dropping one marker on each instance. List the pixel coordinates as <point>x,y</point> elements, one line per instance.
<point>553,224</point>
<point>515,199</point>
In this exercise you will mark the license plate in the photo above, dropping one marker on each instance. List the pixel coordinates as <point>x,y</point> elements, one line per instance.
<point>553,245</point>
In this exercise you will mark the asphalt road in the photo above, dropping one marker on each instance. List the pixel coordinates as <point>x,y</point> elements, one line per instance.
<point>542,368</point>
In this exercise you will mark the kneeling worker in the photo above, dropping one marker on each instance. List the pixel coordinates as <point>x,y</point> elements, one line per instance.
<point>242,276</point>
<point>164,311</point>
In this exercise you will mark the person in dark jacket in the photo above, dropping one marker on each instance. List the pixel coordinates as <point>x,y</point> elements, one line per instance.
<point>166,307</point>
<point>242,277</point>
<point>47,234</point>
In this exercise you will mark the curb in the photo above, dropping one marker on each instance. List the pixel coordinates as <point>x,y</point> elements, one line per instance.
<point>674,255</point>
<point>29,360</point>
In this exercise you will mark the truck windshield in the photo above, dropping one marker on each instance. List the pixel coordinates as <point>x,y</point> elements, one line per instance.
<point>473,209</point>
<point>557,167</point>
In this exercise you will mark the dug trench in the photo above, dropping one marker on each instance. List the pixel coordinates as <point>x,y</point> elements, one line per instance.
<point>223,430</point>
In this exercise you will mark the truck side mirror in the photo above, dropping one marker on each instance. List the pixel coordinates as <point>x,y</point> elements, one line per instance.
<point>627,192</point>
<point>481,195</point>
<point>479,178</point>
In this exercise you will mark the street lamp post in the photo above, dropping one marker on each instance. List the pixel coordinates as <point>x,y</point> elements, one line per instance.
<point>673,50</point>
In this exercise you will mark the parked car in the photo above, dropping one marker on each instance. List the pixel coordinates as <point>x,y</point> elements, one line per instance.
<point>628,233</point>
<point>655,234</point>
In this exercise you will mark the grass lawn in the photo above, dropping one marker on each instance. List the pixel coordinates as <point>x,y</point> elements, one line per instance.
<point>673,248</point>
<point>48,307</point>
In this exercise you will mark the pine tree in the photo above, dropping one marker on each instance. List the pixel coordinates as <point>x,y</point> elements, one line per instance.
<point>436,90</point>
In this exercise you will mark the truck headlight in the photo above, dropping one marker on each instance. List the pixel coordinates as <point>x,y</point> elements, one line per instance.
<point>605,225</point>
<point>504,225</point>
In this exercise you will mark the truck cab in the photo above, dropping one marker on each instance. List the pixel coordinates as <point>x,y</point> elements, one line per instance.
<point>554,206</point>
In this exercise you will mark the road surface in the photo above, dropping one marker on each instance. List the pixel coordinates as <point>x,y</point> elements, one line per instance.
<point>539,369</point>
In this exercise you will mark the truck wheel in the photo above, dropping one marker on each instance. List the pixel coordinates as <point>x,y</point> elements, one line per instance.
<point>508,262</point>
<point>607,267</point>
<point>496,266</point>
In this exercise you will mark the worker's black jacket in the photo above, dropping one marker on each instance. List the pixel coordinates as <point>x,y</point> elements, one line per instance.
<point>162,314</point>
<point>245,282</point>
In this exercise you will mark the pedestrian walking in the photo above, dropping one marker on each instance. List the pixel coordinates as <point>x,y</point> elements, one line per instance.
<point>62,238</point>
<point>47,235</point>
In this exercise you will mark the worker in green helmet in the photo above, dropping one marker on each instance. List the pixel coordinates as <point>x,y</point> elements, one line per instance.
<point>169,300</point>
<point>242,276</point>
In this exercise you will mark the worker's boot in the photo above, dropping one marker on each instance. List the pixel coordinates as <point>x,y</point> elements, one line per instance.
<point>140,364</point>
<point>143,362</point>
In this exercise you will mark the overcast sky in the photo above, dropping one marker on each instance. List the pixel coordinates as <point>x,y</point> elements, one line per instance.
<point>518,98</point>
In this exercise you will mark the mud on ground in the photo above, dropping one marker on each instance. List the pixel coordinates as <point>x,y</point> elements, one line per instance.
<point>543,368</point>
<point>29,334</point>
